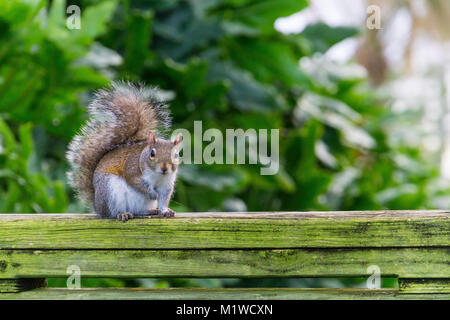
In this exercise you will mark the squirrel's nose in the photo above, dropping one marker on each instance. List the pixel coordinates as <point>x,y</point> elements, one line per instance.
<point>164,167</point>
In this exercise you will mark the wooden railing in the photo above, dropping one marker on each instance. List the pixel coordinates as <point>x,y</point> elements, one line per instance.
<point>412,246</point>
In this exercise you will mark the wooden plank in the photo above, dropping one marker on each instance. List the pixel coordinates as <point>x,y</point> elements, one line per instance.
<point>424,285</point>
<point>18,285</point>
<point>221,294</point>
<point>393,262</point>
<point>228,230</point>
<point>375,214</point>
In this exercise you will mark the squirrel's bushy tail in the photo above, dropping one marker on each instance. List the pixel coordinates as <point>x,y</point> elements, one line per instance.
<point>124,113</point>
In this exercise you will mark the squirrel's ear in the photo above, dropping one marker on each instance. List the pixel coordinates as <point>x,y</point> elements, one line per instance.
<point>151,138</point>
<point>178,139</point>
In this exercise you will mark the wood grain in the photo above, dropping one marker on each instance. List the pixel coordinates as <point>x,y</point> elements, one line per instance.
<point>425,285</point>
<point>221,294</point>
<point>397,262</point>
<point>413,246</point>
<point>390,214</point>
<point>228,230</point>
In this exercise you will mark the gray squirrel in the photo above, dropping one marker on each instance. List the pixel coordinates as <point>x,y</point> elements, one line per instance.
<point>119,161</point>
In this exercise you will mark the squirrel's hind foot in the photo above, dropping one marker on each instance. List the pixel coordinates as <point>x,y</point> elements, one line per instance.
<point>169,213</point>
<point>125,216</point>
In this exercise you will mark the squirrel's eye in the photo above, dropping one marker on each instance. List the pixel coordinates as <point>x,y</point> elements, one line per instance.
<point>152,154</point>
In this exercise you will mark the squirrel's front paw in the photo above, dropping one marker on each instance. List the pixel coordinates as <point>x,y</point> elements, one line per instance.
<point>125,216</point>
<point>168,213</point>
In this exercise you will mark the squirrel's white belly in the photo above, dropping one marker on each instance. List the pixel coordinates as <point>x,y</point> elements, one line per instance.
<point>123,198</point>
<point>158,180</point>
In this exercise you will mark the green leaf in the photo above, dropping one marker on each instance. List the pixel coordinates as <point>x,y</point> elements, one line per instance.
<point>138,40</point>
<point>322,36</point>
<point>18,12</point>
<point>261,14</point>
<point>214,97</point>
<point>269,61</point>
<point>226,179</point>
<point>182,31</point>
<point>86,77</point>
<point>57,15</point>
<point>189,78</point>
<point>8,142</point>
<point>59,197</point>
<point>245,93</point>
<point>95,18</point>
<point>26,140</point>
<point>339,116</point>
<point>285,181</point>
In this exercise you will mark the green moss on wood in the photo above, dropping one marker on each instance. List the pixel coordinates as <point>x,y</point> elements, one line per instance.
<point>223,294</point>
<point>225,232</point>
<point>411,245</point>
<point>425,285</point>
<point>393,262</point>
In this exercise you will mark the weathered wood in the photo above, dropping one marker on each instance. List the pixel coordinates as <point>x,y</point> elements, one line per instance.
<point>411,245</point>
<point>228,230</point>
<point>18,285</point>
<point>221,294</point>
<point>393,262</point>
<point>424,285</point>
<point>377,214</point>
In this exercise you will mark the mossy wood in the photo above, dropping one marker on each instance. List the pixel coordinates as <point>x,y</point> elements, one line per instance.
<point>393,262</point>
<point>220,294</point>
<point>413,246</point>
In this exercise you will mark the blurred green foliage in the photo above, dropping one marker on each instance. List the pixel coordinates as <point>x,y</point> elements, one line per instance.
<point>219,61</point>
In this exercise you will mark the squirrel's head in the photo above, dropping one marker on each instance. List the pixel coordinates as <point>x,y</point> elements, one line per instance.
<point>163,155</point>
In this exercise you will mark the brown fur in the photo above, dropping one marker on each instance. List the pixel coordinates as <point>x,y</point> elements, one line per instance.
<point>124,162</point>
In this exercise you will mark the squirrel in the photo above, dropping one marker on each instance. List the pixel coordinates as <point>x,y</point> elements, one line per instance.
<point>120,162</point>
